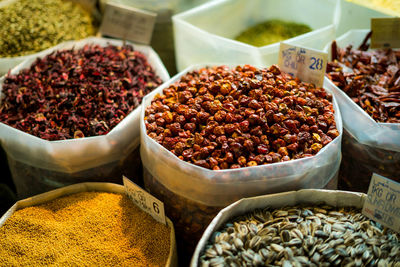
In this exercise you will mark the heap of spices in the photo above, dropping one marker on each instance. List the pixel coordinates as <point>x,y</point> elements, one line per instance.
<point>370,78</point>
<point>30,26</point>
<point>222,118</point>
<point>77,93</point>
<point>84,229</point>
<point>303,236</point>
<point>272,31</point>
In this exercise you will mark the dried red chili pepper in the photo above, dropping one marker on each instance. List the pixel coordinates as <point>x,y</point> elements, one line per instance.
<point>370,78</point>
<point>221,118</point>
<point>77,93</point>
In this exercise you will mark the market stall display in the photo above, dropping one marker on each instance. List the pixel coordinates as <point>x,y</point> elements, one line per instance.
<point>26,31</point>
<point>202,127</point>
<point>85,96</point>
<point>307,227</point>
<point>202,36</point>
<point>231,127</point>
<point>84,224</point>
<point>366,82</point>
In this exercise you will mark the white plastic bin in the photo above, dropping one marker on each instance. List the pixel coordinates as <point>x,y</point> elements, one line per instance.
<point>204,34</point>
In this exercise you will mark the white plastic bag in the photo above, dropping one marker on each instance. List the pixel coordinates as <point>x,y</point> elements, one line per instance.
<point>365,129</point>
<point>307,196</point>
<point>193,195</point>
<point>39,165</point>
<point>86,187</point>
<point>204,34</point>
<point>368,146</point>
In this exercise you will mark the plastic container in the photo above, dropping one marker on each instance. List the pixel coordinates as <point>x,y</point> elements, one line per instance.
<point>354,16</point>
<point>86,187</point>
<point>193,195</point>
<point>368,146</point>
<point>307,196</point>
<point>205,34</point>
<point>39,165</point>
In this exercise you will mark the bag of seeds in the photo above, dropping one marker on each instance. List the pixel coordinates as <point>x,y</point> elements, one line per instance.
<point>31,26</point>
<point>210,32</point>
<point>308,227</point>
<point>366,84</point>
<point>204,133</point>
<point>90,88</point>
<point>86,224</point>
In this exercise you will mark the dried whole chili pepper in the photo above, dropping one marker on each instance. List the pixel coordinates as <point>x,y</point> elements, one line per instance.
<point>221,118</point>
<point>370,78</point>
<point>77,93</point>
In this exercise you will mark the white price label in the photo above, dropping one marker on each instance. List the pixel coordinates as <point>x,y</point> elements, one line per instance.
<point>145,201</point>
<point>307,64</point>
<point>385,32</point>
<point>128,23</point>
<point>383,202</point>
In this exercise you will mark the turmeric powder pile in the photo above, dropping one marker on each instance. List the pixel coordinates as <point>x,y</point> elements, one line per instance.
<point>84,229</point>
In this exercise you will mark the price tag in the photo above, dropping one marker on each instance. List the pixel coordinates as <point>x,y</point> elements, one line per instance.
<point>385,33</point>
<point>128,23</point>
<point>383,202</point>
<point>307,64</point>
<point>145,201</point>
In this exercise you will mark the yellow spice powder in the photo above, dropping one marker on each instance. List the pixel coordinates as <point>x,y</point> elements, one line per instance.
<point>84,229</point>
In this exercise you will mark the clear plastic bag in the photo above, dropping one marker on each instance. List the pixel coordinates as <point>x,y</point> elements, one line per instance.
<point>193,195</point>
<point>39,165</point>
<point>204,34</point>
<point>368,146</point>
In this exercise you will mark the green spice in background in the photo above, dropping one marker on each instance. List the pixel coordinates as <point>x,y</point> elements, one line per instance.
<point>271,31</point>
<point>29,26</point>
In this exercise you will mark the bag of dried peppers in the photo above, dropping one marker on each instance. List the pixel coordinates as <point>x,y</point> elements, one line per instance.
<point>71,115</point>
<point>366,83</point>
<point>213,135</point>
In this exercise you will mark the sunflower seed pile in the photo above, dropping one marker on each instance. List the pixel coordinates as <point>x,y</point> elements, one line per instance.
<point>303,236</point>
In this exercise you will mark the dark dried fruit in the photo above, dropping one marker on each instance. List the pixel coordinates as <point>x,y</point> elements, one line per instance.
<point>244,117</point>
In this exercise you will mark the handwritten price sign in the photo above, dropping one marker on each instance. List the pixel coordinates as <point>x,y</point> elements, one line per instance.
<point>145,201</point>
<point>129,23</point>
<point>385,32</point>
<point>383,202</point>
<point>307,64</point>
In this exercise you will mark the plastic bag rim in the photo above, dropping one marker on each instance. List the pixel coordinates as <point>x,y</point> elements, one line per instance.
<point>362,112</point>
<point>205,171</point>
<point>48,51</point>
